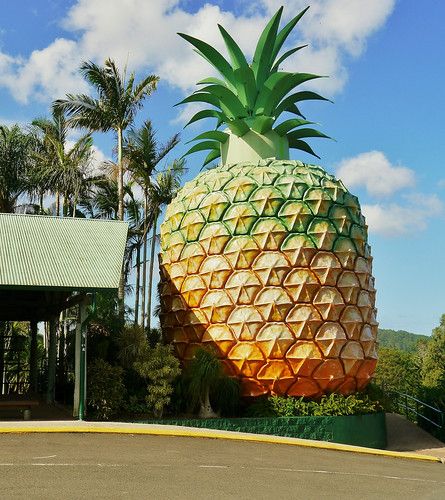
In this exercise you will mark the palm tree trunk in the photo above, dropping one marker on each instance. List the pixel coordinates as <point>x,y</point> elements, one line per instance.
<point>120,176</point>
<point>120,216</point>
<point>74,205</point>
<point>206,410</point>
<point>150,274</point>
<point>41,202</point>
<point>138,284</point>
<point>144,260</point>
<point>65,205</point>
<point>57,204</point>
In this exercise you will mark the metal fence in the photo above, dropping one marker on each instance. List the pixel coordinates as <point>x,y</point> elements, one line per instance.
<point>417,410</point>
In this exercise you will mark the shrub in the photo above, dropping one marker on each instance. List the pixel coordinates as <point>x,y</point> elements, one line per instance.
<point>332,405</point>
<point>159,367</point>
<point>105,389</point>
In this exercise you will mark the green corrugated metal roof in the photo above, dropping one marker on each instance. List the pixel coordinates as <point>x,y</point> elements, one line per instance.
<point>55,252</point>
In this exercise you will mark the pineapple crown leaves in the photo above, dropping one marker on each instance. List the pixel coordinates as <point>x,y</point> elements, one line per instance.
<point>252,96</point>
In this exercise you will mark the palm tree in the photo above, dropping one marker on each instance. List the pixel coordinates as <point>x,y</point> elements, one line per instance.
<point>144,153</point>
<point>114,108</point>
<point>15,164</point>
<point>61,170</point>
<point>161,193</point>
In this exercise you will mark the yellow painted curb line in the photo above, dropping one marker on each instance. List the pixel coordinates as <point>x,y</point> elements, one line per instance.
<point>257,438</point>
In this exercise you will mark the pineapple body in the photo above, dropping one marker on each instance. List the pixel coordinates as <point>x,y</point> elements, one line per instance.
<point>269,263</point>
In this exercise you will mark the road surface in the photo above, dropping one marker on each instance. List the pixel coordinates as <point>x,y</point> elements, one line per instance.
<point>87,466</point>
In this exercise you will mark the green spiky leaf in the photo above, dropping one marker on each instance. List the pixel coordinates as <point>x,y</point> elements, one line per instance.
<point>213,56</point>
<point>235,53</point>
<point>201,97</point>
<point>293,109</point>
<point>203,146</point>
<point>238,127</point>
<point>246,86</point>
<point>206,113</point>
<point>263,57</point>
<point>307,132</point>
<point>285,127</point>
<point>262,124</point>
<point>285,56</point>
<point>214,135</point>
<point>213,155</point>
<point>304,95</point>
<point>276,87</point>
<point>229,102</point>
<point>303,146</point>
<point>211,80</point>
<point>284,33</point>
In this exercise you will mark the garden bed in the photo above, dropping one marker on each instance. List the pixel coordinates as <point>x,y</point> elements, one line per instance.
<point>362,430</point>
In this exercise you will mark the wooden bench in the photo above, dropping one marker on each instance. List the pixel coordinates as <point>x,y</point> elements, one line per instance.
<point>25,404</point>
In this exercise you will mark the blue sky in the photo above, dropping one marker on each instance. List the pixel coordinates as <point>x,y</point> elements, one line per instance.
<point>385,59</point>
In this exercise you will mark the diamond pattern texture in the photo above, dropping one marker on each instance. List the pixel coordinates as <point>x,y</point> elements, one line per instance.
<point>269,264</point>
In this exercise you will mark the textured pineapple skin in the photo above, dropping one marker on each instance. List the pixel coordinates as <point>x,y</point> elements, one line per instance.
<point>269,263</point>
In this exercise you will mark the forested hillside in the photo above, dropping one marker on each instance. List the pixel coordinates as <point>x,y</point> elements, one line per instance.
<point>400,339</point>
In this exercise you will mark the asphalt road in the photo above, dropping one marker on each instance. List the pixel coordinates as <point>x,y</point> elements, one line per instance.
<point>66,466</point>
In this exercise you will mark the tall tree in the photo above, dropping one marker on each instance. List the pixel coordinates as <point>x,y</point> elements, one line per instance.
<point>144,153</point>
<point>113,108</point>
<point>161,193</point>
<point>15,163</point>
<point>60,169</point>
<point>398,371</point>
<point>433,363</point>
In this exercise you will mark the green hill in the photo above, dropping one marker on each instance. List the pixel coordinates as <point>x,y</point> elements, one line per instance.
<point>399,339</point>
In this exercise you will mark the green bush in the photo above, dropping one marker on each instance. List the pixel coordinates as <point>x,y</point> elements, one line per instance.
<point>105,389</point>
<point>332,405</point>
<point>159,367</point>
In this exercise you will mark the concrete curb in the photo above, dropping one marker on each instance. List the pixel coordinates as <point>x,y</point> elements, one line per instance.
<point>213,434</point>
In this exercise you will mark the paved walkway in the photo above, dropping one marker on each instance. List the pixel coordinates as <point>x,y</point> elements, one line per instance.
<point>403,435</point>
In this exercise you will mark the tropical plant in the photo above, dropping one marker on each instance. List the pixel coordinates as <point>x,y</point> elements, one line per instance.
<point>114,108</point>
<point>159,367</point>
<point>15,165</point>
<point>206,380</point>
<point>263,257</point>
<point>161,192</point>
<point>61,170</point>
<point>252,97</point>
<point>144,153</point>
<point>105,389</point>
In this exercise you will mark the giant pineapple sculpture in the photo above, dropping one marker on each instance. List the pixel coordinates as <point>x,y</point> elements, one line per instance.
<point>266,258</point>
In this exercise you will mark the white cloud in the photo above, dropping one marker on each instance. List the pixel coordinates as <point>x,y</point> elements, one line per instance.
<point>373,171</point>
<point>395,219</point>
<point>144,35</point>
<point>46,74</point>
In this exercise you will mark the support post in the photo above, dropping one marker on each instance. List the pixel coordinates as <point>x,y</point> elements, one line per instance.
<point>80,362</point>
<point>2,354</point>
<point>52,360</point>
<point>33,357</point>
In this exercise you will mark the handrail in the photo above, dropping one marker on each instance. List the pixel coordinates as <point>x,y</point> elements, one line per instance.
<point>402,400</point>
